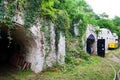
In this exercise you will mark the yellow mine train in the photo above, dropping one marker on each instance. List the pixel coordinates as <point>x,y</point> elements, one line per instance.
<point>113,42</point>
<point>113,45</point>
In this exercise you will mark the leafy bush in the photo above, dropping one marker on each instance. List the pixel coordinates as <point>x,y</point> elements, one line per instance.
<point>73,58</point>
<point>78,53</point>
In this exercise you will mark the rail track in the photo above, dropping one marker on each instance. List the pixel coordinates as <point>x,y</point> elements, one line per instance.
<point>118,75</point>
<point>116,72</point>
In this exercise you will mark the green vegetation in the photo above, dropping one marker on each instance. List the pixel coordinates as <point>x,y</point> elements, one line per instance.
<point>86,70</point>
<point>16,75</point>
<point>64,14</point>
<point>96,68</point>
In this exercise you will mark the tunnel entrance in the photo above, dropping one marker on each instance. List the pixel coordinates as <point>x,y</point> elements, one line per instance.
<point>12,50</point>
<point>6,53</point>
<point>90,44</point>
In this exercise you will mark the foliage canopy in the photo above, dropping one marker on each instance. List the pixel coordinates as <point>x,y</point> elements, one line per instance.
<point>63,13</point>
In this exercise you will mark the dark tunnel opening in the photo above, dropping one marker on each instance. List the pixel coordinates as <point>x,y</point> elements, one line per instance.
<point>7,48</point>
<point>12,51</point>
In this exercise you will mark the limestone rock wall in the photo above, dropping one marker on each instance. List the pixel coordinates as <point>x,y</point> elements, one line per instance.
<point>61,50</point>
<point>39,45</point>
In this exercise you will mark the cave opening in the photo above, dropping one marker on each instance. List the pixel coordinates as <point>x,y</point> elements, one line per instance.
<point>12,50</point>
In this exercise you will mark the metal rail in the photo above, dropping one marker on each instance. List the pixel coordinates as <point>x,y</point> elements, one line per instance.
<point>115,72</point>
<point>118,75</point>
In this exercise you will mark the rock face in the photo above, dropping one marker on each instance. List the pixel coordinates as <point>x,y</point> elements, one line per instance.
<point>61,50</point>
<point>39,45</point>
<point>76,31</point>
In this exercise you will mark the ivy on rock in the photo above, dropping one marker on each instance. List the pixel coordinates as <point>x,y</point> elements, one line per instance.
<point>62,13</point>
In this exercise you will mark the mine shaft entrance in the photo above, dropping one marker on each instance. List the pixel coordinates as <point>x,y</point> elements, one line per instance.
<point>12,51</point>
<point>6,53</point>
<point>90,44</point>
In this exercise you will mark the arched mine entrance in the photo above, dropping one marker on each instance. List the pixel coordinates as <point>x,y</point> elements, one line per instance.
<point>14,49</point>
<point>90,44</point>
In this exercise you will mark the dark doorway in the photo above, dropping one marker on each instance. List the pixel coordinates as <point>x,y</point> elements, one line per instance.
<point>8,49</point>
<point>90,42</point>
<point>101,47</point>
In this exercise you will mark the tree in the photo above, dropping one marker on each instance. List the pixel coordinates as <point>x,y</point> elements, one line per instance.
<point>116,21</point>
<point>105,23</point>
<point>104,15</point>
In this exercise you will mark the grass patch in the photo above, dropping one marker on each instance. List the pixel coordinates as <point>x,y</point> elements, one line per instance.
<point>21,75</point>
<point>96,69</point>
<point>18,75</point>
